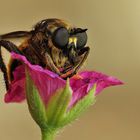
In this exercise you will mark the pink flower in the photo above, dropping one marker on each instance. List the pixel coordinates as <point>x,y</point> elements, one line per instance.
<point>48,83</point>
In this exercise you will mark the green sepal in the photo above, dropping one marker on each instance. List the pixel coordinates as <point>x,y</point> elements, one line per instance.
<point>58,105</point>
<point>80,107</point>
<point>36,106</point>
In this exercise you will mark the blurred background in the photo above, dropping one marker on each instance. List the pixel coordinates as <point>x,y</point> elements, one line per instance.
<point>114,38</point>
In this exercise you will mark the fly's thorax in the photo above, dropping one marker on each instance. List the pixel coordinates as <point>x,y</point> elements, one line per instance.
<point>56,23</point>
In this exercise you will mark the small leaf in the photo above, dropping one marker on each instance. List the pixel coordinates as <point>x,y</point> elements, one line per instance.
<point>35,104</point>
<point>80,107</point>
<point>58,105</point>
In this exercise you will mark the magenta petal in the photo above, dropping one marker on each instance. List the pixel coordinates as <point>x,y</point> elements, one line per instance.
<point>102,81</point>
<point>46,81</point>
<point>82,85</point>
<point>16,92</point>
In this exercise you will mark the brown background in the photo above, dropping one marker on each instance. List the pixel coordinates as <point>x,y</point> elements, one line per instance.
<point>114,38</point>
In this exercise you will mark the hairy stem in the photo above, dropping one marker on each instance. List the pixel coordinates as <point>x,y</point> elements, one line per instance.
<point>48,135</point>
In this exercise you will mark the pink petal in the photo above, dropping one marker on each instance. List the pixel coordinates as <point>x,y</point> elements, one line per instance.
<point>16,92</point>
<point>82,85</point>
<point>46,84</point>
<point>46,81</point>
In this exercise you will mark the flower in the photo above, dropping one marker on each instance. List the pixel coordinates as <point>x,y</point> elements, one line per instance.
<point>48,82</point>
<point>54,102</point>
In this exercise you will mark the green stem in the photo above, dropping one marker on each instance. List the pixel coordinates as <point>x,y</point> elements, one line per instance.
<point>48,135</point>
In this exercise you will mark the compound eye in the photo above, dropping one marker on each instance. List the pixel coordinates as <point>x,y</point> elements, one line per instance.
<point>60,37</point>
<point>81,39</point>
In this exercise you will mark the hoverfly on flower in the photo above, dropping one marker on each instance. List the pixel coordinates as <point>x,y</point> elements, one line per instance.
<point>52,44</point>
<point>43,71</point>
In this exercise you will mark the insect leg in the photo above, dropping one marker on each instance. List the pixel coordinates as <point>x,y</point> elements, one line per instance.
<point>84,51</point>
<point>73,71</point>
<point>51,64</point>
<point>9,46</point>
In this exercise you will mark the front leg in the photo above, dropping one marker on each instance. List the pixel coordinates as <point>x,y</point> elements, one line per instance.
<point>9,46</point>
<point>50,64</point>
<point>85,52</point>
<point>73,69</point>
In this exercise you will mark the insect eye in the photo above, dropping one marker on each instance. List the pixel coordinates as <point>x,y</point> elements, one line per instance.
<point>60,37</point>
<point>81,39</point>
